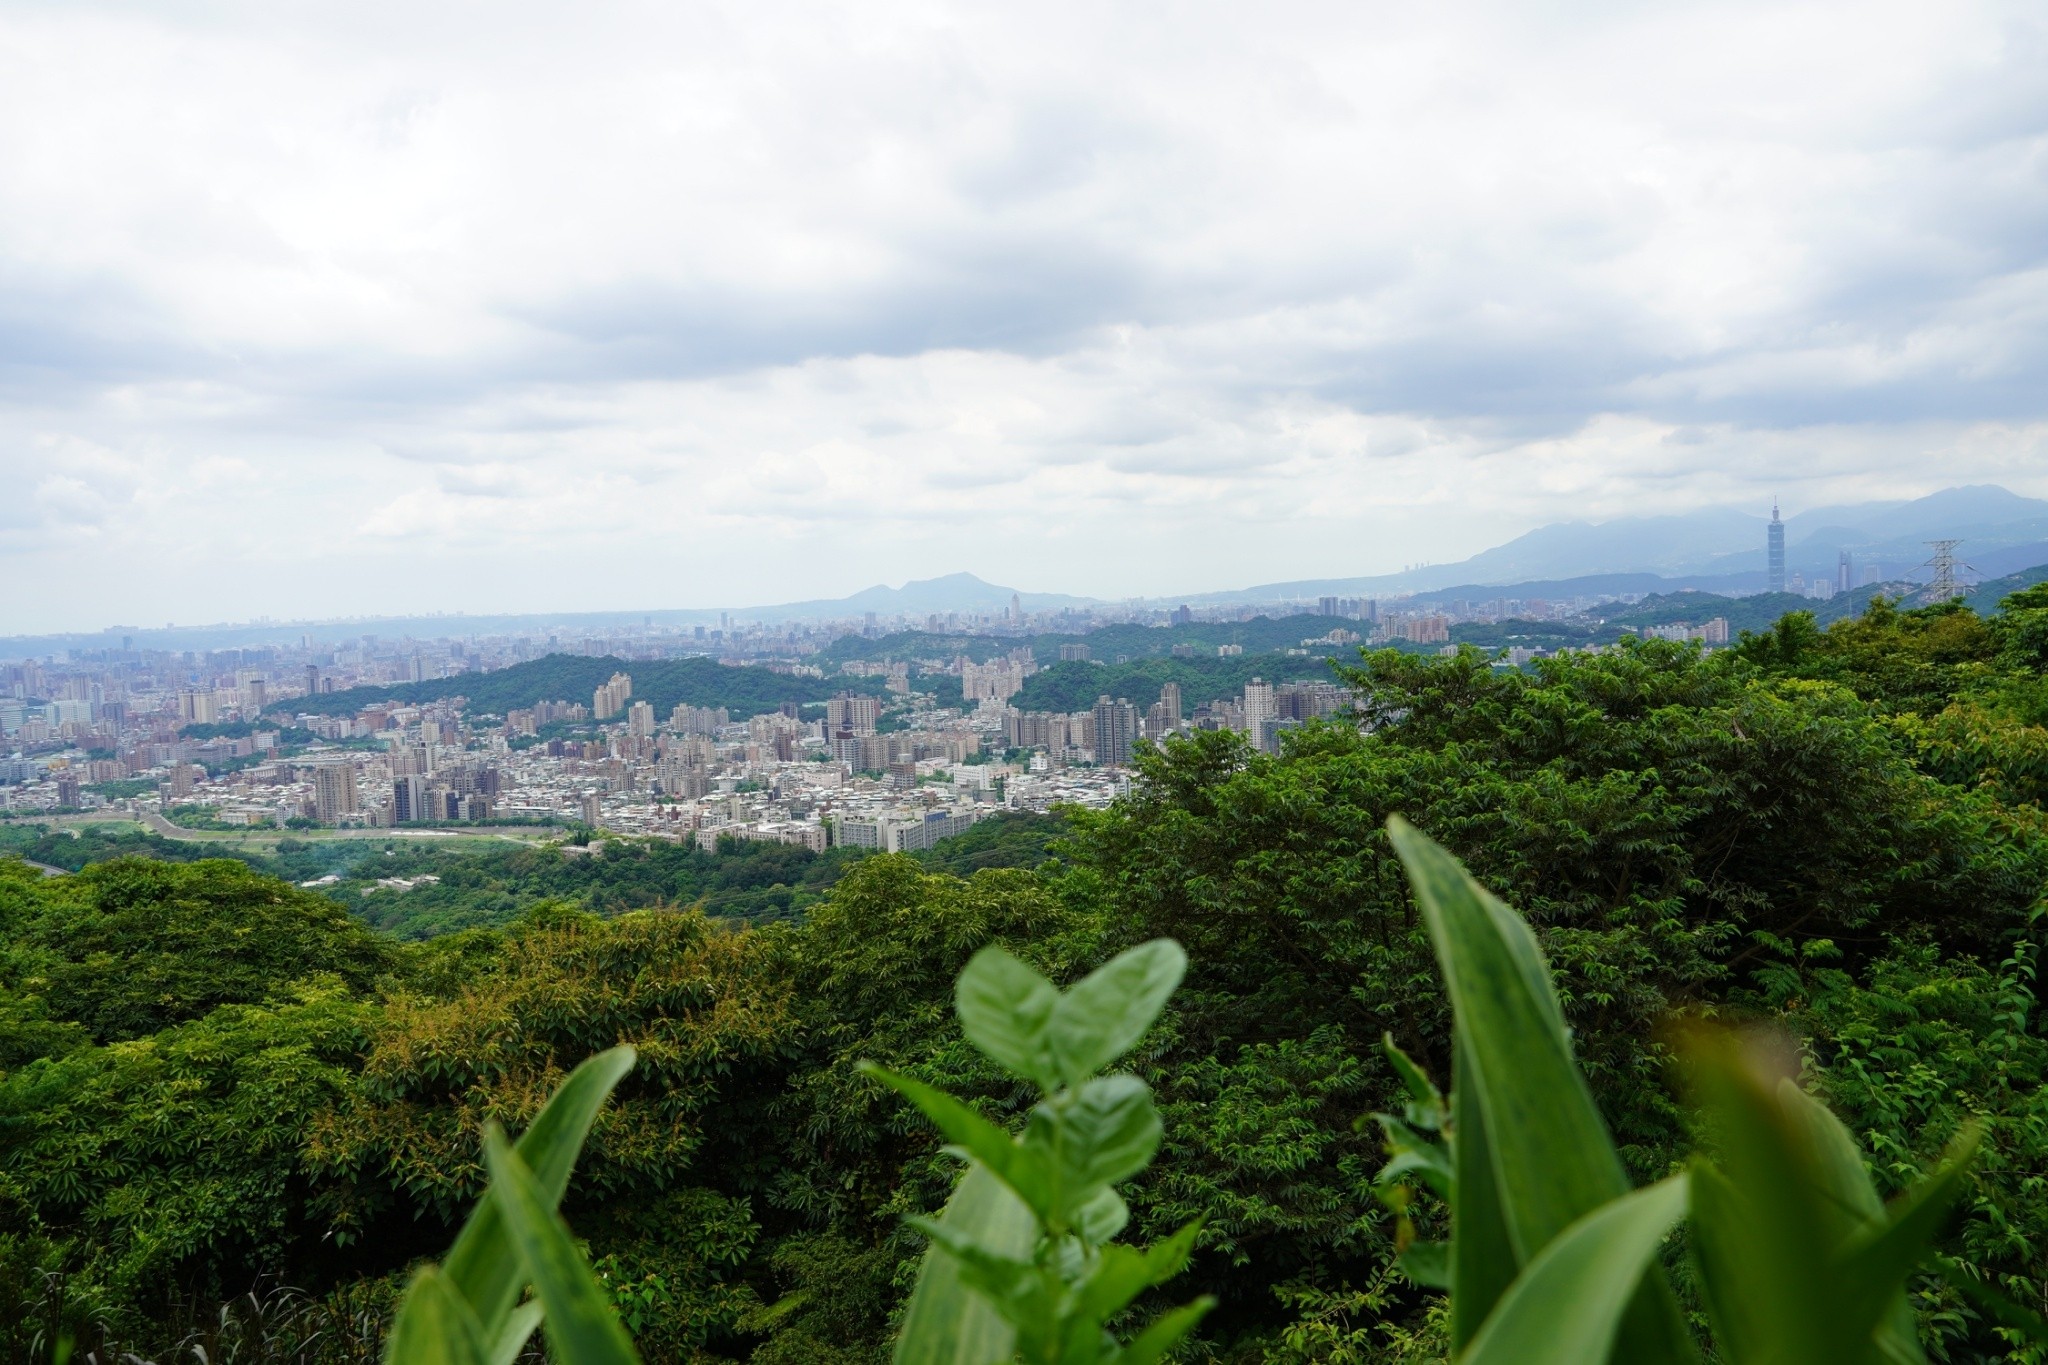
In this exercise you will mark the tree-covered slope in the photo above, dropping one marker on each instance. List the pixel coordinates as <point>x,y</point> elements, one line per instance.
<point>1077,686</point>
<point>1834,835</point>
<point>664,683</point>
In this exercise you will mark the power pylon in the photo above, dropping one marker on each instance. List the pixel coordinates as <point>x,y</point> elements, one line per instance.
<point>1943,585</point>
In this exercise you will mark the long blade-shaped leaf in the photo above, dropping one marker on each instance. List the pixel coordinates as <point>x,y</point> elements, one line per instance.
<point>519,1327</point>
<point>1483,1262</point>
<point>482,1264</point>
<point>1846,1186</point>
<point>1553,1160</point>
<point>581,1326</point>
<point>435,1325</point>
<point>1551,1148</point>
<point>945,1323</point>
<point>1567,1306</point>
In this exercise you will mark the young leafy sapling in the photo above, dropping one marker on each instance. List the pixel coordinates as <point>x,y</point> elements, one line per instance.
<point>1038,1259</point>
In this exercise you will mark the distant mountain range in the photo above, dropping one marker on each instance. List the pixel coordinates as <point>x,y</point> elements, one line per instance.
<point>961,592</point>
<point>1717,550</point>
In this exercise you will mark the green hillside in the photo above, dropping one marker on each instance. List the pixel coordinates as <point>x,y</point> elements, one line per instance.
<point>1077,686</point>
<point>566,677</point>
<point>235,1118</point>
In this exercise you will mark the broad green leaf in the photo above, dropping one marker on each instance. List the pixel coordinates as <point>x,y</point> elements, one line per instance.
<point>1551,1156</point>
<point>944,1324</point>
<point>1566,1307</point>
<point>435,1325</point>
<point>1108,1131</point>
<point>581,1326</point>
<point>1006,1010</point>
<point>1845,1186</point>
<point>1771,1234</point>
<point>1121,1274</point>
<point>1017,1285</point>
<point>482,1264</point>
<point>1721,1224</point>
<point>1102,1217</point>
<point>519,1327</point>
<point>1165,1332</point>
<point>1026,1171</point>
<point>1103,1015</point>
<point>1427,1264</point>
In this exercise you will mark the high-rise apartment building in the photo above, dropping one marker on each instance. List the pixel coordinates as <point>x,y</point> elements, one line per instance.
<point>334,792</point>
<point>1169,705</point>
<point>610,699</point>
<point>1774,544</point>
<point>1116,731</point>
<point>640,719</point>
<point>408,795</point>
<point>851,715</point>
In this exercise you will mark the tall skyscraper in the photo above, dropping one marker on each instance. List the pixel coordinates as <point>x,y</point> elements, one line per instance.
<point>1169,705</point>
<point>1845,573</point>
<point>1775,543</point>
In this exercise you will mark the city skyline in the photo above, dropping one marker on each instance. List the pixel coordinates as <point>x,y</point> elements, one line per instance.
<point>725,308</point>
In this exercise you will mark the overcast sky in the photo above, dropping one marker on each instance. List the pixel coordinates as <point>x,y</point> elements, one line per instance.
<point>312,310</point>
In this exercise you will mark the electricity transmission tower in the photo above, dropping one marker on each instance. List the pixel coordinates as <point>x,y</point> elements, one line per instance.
<point>1943,585</point>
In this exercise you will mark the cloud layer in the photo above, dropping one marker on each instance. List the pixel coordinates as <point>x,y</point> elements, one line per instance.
<point>388,308</point>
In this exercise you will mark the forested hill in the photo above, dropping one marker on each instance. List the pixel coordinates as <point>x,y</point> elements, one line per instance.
<point>1076,686</point>
<point>1833,835</point>
<point>662,683</point>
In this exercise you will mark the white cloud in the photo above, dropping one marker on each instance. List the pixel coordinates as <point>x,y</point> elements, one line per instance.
<point>526,306</point>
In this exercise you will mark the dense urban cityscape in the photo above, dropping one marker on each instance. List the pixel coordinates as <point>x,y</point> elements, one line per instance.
<point>900,730</point>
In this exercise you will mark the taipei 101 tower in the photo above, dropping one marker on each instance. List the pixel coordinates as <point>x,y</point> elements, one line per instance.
<point>1776,545</point>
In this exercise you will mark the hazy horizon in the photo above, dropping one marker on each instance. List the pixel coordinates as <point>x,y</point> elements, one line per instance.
<point>391,311</point>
